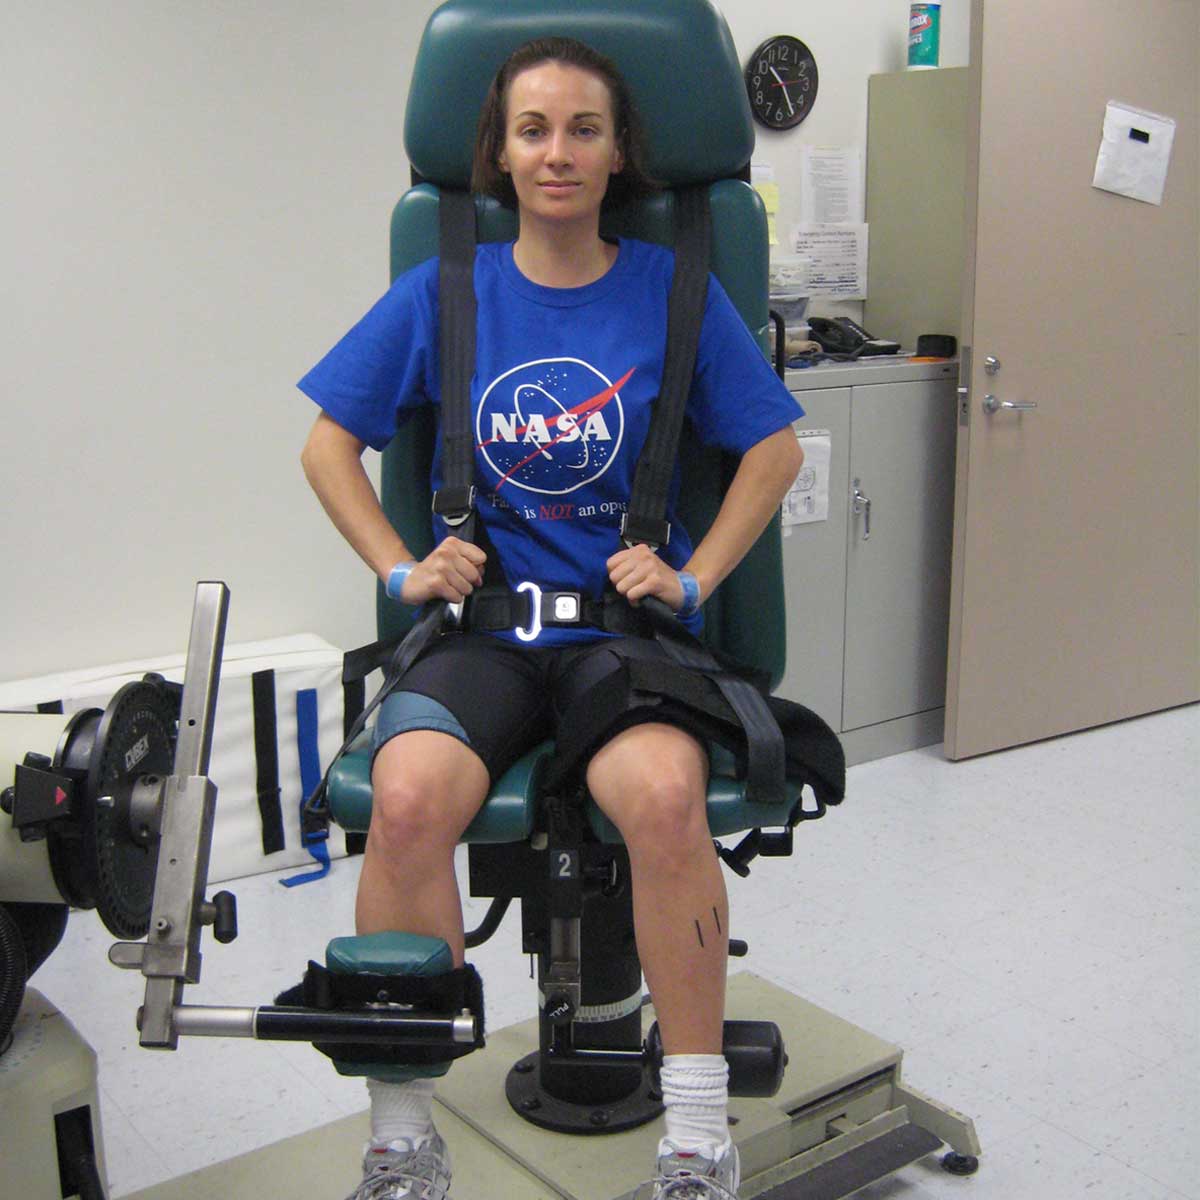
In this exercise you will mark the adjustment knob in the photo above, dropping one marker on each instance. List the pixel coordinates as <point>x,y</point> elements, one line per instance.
<point>225,927</point>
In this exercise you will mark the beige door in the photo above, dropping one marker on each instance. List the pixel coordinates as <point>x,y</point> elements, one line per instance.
<point>1074,580</point>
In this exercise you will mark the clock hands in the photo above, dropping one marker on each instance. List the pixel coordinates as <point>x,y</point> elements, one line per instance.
<point>780,83</point>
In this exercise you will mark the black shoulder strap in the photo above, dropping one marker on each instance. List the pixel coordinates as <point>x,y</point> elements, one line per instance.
<point>646,520</point>
<point>454,501</point>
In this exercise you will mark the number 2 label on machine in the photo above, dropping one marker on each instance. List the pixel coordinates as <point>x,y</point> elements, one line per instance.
<point>564,864</point>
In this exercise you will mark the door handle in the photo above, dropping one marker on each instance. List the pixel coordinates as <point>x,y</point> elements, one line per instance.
<point>861,506</point>
<point>993,404</point>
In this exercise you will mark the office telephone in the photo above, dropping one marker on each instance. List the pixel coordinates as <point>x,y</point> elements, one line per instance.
<point>840,335</point>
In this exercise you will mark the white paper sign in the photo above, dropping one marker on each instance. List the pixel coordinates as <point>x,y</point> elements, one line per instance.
<point>831,185</point>
<point>808,498</point>
<point>1135,150</point>
<point>833,260</point>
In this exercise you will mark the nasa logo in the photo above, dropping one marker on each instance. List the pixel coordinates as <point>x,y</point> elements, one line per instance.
<point>551,426</point>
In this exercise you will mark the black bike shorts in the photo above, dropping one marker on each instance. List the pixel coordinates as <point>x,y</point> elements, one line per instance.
<point>501,699</point>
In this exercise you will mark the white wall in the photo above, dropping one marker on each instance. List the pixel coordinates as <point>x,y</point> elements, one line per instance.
<point>196,196</point>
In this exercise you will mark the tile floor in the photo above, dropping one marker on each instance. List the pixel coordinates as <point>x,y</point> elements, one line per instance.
<point>1025,925</point>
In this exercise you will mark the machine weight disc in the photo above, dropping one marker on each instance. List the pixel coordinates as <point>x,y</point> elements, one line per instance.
<point>136,738</point>
<point>103,865</point>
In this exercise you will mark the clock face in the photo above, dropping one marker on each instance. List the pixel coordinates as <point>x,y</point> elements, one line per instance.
<point>781,80</point>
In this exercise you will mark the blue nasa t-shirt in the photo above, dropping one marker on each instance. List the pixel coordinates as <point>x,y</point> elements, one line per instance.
<point>561,400</point>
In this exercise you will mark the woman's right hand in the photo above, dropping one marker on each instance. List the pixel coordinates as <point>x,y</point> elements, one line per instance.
<point>451,571</point>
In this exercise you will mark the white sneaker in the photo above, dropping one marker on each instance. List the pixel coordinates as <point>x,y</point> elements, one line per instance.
<point>712,1173</point>
<point>405,1172</point>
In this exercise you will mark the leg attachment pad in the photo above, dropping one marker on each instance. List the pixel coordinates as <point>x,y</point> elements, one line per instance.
<point>393,973</point>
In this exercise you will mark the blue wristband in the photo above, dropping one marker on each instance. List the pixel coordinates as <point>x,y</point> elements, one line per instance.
<point>396,577</point>
<point>691,594</point>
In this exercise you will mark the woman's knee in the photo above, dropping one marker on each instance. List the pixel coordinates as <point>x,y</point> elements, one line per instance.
<point>671,813</point>
<point>655,797</point>
<point>423,796</point>
<point>406,816</point>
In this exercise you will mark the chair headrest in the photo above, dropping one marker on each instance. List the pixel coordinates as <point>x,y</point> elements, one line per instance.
<point>677,56</point>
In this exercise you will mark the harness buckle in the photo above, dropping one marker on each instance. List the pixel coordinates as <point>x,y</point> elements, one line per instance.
<point>535,621</point>
<point>454,505</point>
<point>643,531</point>
<point>567,607</point>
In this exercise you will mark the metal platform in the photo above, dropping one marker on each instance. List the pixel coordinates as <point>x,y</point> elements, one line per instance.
<point>841,1120</point>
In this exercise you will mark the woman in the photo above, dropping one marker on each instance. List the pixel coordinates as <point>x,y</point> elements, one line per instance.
<point>570,342</point>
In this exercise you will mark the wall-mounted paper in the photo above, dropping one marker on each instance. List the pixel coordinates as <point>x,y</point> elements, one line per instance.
<point>1135,150</point>
<point>833,260</point>
<point>831,185</point>
<point>769,191</point>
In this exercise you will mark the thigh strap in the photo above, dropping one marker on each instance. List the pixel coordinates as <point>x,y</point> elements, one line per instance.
<point>649,685</point>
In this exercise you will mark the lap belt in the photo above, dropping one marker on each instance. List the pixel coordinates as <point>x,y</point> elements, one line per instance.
<point>530,608</point>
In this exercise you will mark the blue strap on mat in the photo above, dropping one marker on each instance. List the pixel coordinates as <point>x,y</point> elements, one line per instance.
<point>310,778</point>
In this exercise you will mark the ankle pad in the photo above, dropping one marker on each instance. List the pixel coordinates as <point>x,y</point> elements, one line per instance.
<point>391,968</point>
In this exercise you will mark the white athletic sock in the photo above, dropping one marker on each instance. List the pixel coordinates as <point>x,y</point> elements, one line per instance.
<point>695,1091</point>
<point>401,1110</point>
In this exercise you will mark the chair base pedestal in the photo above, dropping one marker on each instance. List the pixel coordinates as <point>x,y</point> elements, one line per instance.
<point>530,1099</point>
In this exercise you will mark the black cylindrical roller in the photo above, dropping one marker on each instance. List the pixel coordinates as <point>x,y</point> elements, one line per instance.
<point>756,1057</point>
<point>754,1051</point>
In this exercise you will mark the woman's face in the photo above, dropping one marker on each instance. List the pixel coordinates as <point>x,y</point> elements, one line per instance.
<point>560,144</point>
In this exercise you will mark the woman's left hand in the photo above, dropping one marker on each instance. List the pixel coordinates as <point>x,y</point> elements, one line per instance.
<point>638,572</point>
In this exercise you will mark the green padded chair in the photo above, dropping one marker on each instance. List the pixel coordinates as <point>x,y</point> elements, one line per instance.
<point>699,130</point>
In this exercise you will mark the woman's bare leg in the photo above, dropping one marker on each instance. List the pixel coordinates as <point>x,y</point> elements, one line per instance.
<point>651,781</point>
<point>427,788</point>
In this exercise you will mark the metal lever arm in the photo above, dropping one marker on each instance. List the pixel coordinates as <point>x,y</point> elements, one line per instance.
<point>170,957</point>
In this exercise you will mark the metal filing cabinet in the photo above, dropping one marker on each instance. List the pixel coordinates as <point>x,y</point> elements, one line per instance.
<point>867,616</point>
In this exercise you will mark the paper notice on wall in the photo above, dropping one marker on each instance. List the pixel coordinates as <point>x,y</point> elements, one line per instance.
<point>762,179</point>
<point>831,185</point>
<point>833,260</point>
<point>807,499</point>
<point>1135,151</point>
<point>770,198</point>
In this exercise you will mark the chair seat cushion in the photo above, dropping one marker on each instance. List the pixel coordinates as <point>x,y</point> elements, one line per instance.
<point>508,815</point>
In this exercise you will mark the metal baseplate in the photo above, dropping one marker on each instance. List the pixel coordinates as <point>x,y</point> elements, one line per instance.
<point>841,1120</point>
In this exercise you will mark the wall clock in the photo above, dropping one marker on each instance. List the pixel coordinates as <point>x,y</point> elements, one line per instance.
<point>781,79</point>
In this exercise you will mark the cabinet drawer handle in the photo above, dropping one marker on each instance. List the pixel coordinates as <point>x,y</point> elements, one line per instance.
<point>862,507</point>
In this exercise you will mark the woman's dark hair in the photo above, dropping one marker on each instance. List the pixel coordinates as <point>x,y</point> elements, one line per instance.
<point>486,176</point>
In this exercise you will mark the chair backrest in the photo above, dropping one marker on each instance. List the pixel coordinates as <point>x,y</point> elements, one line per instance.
<point>679,60</point>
